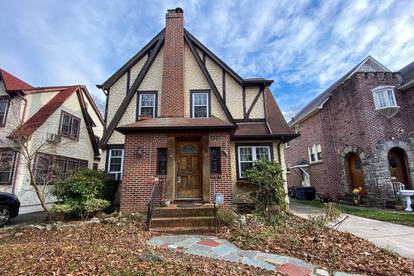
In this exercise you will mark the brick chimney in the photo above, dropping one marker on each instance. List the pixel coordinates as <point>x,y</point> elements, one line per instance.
<point>172,102</point>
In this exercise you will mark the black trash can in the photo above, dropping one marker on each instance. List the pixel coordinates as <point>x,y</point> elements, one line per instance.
<point>305,193</point>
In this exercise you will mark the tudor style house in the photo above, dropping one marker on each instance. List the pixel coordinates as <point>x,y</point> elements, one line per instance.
<point>177,114</point>
<point>55,127</point>
<point>357,133</point>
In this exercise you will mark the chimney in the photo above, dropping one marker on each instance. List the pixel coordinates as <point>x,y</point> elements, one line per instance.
<point>172,102</point>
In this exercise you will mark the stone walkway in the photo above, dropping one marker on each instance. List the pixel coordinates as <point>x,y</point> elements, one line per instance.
<point>213,247</point>
<point>399,238</point>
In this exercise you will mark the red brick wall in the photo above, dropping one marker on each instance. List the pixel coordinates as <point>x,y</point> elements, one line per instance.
<point>172,102</point>
<point>349,119</point>
<point>139,173</point>
<point>311,133</point>
<point>222,183</point>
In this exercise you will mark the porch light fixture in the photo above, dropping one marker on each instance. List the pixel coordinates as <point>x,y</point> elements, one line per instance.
<point>139,152</point>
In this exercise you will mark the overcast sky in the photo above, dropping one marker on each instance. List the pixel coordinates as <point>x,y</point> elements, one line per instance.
<point>303,45</point>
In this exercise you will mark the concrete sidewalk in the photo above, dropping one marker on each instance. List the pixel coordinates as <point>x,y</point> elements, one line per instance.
<point>399,238</point>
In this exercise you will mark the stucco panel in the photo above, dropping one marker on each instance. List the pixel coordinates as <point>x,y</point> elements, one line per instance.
<point>116,95</point>
<point>216,74</point>
<point>136,69</point>
<point>234,97</point>
<point>37,101</point>
<point>194,79</point>
<point>258,109</point>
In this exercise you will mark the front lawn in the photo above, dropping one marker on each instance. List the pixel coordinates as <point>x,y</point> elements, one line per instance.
<point>388,216</point>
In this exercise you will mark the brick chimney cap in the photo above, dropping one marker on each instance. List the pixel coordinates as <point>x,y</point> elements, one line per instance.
<point>176,10</point>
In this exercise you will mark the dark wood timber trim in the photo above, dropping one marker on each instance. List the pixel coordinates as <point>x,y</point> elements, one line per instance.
<point>128,81</point>
<point>130,63</point>
<point>244,102</point>
<point>254,102</point>
<point>89,123</point>
<point>223,82</point>
<point>106,109</point>
<point>204,58</point>
<point>131,93</point>
<point>208,77</point>
<point>195,91</point>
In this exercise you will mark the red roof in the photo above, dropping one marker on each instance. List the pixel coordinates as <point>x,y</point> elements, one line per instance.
<point>44,112</point>
<point>178,123</point>
<point>12,83</point>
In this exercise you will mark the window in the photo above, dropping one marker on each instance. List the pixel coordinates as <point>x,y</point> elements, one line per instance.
<point>296,129</point>
<point>69,125</point>
<point>315,153</point>
<point>215,160</point>
<point>247,155</point>
<point>115,163</point>
<point>4,106</point>
<point>162,156</point>
<point>287,145</point>
<point>95,166</point>
<point>384,97</point>
<point>7,166</point>
<point>200,104</point>
<point>147,105</point>
<point>50,167</point>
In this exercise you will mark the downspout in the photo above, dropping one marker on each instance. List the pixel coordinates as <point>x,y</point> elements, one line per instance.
<point>18,156</point>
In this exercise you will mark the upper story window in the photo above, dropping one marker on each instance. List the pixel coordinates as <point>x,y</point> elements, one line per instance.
<point>69,125</point>
<point>384,97</point>
<point>147,104</point>
<point>296,128</point>
<point>315,153</point>
<point>200,105</point>
<point>247,155</point>
<point>4,107</point>
<point>116,163</point>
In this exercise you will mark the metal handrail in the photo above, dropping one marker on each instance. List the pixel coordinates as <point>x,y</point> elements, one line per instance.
<point>153,201</point>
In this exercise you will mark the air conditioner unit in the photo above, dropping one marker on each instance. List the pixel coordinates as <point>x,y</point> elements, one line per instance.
<point>53,137</point>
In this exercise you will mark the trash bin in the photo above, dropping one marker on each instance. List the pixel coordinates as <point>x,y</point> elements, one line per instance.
<point>305,193</point>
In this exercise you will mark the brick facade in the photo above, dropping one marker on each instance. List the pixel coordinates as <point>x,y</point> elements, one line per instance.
<point>348,122</point>
<point>172,102</point>
<point>139,173</point>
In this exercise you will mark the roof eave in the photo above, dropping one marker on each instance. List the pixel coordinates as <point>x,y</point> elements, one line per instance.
<point>125,130</point>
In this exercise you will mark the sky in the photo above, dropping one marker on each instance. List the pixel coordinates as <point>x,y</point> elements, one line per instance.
<point>304,46</point>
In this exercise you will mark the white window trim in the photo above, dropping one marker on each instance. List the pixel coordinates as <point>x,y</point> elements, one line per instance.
<point>254,157</point>
<point>287,145</point>
<point>122,163</point>
<point>194,105</point>
<point>313,147</point>
<point>140,103</point>
<point>3,122</point>
<point>384,89</point>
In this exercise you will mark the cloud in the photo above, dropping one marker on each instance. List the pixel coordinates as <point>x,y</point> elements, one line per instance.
<point>303,45</point>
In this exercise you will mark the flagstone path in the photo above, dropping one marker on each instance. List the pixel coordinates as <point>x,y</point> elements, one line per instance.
<point>213,247</point>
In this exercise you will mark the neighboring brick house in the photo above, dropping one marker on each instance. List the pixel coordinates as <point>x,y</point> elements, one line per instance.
<point>60,124</point>
<point>357,133</point>
<point>177,113</point>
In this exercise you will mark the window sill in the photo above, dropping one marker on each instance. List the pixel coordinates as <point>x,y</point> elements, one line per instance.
<point>316,162</point>
<point>70,137</point>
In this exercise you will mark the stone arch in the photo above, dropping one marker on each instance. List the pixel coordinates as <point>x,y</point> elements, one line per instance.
<point>343,159</point>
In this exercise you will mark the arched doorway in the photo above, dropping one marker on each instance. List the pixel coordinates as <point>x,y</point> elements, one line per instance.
<point>397,163</point>
<point>355,172</point>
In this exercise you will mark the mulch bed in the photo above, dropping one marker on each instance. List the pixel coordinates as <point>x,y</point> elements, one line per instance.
<point>103,249</point>
<point>321,246</point>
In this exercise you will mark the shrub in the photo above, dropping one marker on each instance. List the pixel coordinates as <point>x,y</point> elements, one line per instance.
<point>268,191</point>
<point>226,216</point>
<point>84,194</point>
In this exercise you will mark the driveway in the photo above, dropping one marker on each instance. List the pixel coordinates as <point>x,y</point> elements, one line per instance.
<point>398,238</point>
<point>24,219</point>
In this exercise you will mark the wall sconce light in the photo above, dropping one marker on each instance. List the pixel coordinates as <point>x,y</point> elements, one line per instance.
<point>139,152</point>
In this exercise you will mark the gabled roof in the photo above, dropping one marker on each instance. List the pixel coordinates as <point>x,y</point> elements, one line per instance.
<point>369,64</point>
<point>407,75</point>
<point>13,83</point>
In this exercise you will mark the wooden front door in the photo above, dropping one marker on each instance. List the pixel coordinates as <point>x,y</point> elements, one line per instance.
<point>398,166</point>
<point>189,172</point>
<point>355,172</point>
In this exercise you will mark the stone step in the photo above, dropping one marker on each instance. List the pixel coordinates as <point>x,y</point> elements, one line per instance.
<point>185,230</point>
<point>162,212</point>
<point>164,222</point>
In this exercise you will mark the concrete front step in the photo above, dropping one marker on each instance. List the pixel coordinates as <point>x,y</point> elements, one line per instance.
<point>160,222</point>
<point>202,211</point>
<point>185,230</point>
